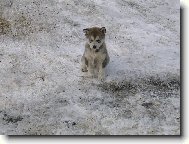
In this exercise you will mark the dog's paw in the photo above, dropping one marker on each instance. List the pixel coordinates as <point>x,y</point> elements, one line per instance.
<point>101,78</point>
<point>84,70</point>
<point>90,75</point>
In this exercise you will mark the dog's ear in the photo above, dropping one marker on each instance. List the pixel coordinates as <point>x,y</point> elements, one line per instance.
<point>86,31</point>
<point>103,29</point>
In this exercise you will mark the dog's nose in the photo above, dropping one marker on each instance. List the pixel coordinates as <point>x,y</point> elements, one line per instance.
<point>94,46</point>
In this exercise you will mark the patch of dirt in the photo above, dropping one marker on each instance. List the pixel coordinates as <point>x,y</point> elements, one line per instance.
<point>115,87</point>
<point>4,26</point>
<point>22,26</point>
<point>155,86</point>
<point>147,105</point>
<point>12,119</point>
<point>171,83</point>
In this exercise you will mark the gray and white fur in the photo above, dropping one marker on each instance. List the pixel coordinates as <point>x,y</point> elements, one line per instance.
<point>95,57</point>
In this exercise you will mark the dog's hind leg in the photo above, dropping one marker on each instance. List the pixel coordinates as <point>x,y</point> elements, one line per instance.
<point>84,64</point>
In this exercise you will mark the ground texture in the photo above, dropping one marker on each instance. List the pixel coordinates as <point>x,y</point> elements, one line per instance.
<point>44,92</point>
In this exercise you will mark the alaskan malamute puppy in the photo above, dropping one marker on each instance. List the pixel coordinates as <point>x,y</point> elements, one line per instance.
<point>95,57</point>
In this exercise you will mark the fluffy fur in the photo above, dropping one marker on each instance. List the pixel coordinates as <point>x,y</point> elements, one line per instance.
<point>95,57</point>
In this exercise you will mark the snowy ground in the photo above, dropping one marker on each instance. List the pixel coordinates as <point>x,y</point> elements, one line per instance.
<point>43,91</point>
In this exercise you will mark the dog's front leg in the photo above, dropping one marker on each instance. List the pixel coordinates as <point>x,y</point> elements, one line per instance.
<point>101,73</point>
<point>91,70</point>
<point>84,64</point>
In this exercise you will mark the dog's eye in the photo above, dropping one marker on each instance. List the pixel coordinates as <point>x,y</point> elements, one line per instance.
<point>90,41</point>
<point>98,41</point>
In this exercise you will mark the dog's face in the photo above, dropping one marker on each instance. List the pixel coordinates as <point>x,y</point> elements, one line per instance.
<point>95,37</point>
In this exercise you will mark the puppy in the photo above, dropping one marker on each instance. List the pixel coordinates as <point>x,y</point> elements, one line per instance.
<point>95,57</point>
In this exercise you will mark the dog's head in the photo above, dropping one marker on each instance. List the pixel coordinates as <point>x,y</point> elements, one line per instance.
<point>95,37</point>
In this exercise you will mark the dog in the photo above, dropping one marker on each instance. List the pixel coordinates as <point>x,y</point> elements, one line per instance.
<point>95,57</point>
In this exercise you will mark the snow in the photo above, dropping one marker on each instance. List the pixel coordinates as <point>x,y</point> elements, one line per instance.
<point>44,92</point>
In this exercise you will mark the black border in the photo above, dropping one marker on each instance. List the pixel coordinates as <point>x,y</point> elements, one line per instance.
<point>182,26</point>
